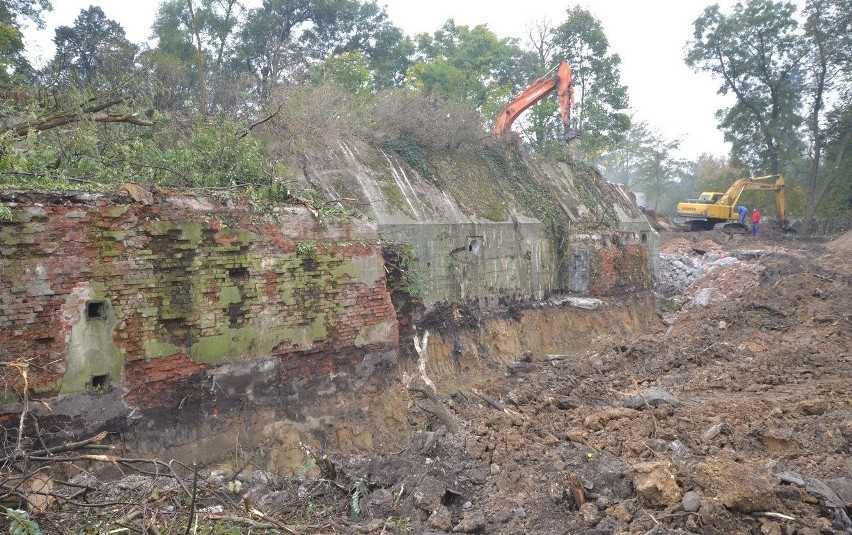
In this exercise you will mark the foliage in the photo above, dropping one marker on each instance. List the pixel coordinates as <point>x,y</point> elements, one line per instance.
<point>756,52</point>
<point>407,281</point>
<point>94,49</point>
<point>429,122</point>
<point>601,98</point>
<point>828,86</point>
<point>715,174</point>
<point>13,15</point>
<point>5,213</point>
<point>306,249</point>
<point>281,39</point>
<point>411,153</point>
<point>20,522</point>
<point>359,490</point>
<point>660,171</point>
<point>95,142</point>
<point>349,70</point>
<point>463,64</point>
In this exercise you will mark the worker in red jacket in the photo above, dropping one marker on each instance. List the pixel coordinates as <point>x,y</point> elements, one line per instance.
<point>755,221</point>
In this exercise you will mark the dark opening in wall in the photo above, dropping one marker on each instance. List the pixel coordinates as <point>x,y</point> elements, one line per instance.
<point>474,244</point>
<point>100,382</point>
<point>239,274</point>
<point>644,238</point>
<point>96,309</point>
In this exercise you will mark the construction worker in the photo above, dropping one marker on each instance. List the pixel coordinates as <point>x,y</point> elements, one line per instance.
<point>742,210</point>
<point>755,221</point>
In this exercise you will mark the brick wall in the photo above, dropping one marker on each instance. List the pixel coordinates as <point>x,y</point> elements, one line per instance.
<point>99,293</point>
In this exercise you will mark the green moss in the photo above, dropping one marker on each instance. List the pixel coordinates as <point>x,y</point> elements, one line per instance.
<point>229,295</point>
<point>118,210</point>
<point>91,351</point>
<point>158,349</point>
<point>189,231</point>
<point>394,196</point>
<point>256,340</point>
<point>366,270</point>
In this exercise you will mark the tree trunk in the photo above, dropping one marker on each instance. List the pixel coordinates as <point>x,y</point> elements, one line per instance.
<point>829,180</point>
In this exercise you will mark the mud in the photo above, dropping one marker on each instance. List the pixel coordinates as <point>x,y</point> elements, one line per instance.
<point>734,415</point>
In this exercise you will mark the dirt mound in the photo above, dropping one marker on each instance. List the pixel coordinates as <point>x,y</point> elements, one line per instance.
<point>843,244</point>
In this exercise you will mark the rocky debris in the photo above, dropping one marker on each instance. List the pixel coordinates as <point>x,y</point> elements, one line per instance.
<point>744,255</point>
<point>653,397</point>
<point>739,487</point>
<point>471,522</point>
<point>691,502</point>
<point>600,419</point>
<point>429,493</point>
<point>676,272</point>
<point>655,484</point>
<point>827,497</point>
<point>440,519</point>
<point>378,504</point>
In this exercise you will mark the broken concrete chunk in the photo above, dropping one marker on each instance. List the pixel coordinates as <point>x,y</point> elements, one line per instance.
<point>653,396</point>
<point>586,303</point>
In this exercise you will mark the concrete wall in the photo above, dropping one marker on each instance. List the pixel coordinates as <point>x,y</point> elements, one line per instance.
<point>496,224</point>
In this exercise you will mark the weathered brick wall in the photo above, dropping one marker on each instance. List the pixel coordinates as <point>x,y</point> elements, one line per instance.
<point>100,293</point>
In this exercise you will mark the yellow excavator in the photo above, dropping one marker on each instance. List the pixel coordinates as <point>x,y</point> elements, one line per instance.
<point>715,207</point>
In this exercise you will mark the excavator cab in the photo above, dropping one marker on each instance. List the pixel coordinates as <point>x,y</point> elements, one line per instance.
<point>710,197</point>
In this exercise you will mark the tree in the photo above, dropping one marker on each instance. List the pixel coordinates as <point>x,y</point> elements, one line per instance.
<point>348,70</point>
<point>828,69</point>
<point>715,174</point>
<point>621,163</point>
<point>95,47</point>
<point>466,65</point>
<point>659,171</point>
<point>201,40</point>
<point>12,16</point>
<point>601,98</point>
<point>757,53</point>
<point>282,39</point>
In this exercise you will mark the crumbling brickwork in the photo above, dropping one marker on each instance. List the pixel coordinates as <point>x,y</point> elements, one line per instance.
<point>102,292</point>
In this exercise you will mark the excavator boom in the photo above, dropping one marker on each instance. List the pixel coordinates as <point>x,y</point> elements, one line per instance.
<point>562,83</point>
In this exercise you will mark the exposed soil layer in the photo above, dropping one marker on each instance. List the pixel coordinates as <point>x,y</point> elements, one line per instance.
<point>736,417</point>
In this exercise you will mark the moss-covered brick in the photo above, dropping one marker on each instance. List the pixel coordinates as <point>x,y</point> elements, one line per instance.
<point>228,295</point>
<point>155,348</point>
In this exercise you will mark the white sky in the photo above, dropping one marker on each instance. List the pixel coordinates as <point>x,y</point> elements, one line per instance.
<point>649,36</point>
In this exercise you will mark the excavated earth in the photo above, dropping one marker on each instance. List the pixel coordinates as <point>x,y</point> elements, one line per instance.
<point>735,417</point>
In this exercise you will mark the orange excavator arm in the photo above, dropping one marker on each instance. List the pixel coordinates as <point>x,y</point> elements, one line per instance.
<point>562,83</point>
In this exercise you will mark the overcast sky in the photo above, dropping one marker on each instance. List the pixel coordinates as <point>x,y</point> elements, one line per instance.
<point>649,36</point>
